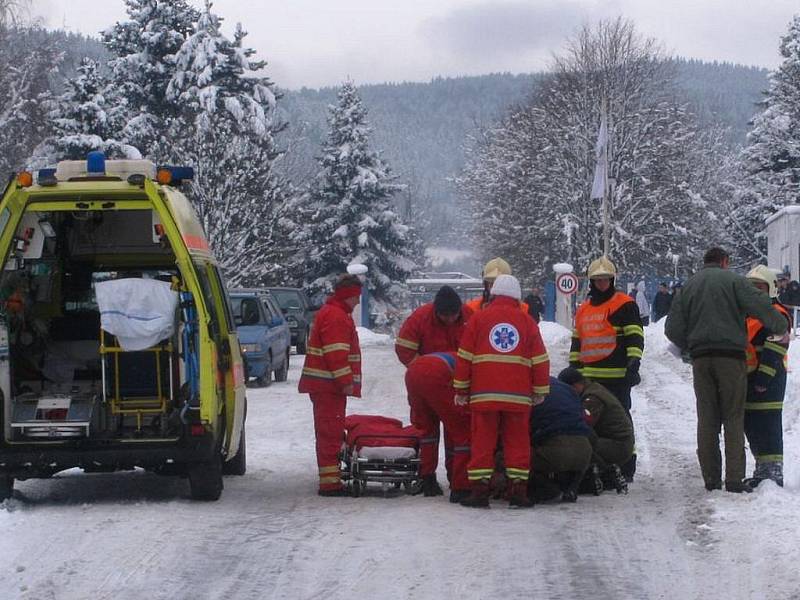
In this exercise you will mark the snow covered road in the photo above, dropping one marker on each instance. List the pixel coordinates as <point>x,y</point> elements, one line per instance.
<point>136,535</point>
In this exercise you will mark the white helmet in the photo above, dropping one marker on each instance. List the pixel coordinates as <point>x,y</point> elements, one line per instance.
<point>764,274</point>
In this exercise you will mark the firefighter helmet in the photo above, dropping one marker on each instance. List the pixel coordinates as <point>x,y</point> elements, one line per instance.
<point>495,267</point>
<point>764,274</point>
<point>602,267</point>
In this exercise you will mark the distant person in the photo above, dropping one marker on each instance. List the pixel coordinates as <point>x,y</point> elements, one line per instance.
<point>661,302</point>
<point>491,270</point>
<point>708,319</point>
<point>642,303</point>
<point>535,304</point>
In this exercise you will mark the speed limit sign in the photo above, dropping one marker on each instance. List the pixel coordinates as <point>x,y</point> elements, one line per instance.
<point>567,283</point>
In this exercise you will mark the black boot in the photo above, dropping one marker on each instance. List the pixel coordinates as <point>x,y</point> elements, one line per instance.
<point>478,496</point>
<point>613,479</point>
<point>571,481</point>
<point>456,496</point>
<point>430,487</point>
<point>519,494</point>
<point>629,468</point>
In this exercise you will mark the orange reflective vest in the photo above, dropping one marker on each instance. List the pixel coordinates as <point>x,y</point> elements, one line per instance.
<point>754,327</point>
<point>333,357</point>
<point>598,337</point>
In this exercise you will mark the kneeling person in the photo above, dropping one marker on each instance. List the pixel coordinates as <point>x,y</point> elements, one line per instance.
<point>560,442</point>
<point>429,382</point>
<point>611,435</point>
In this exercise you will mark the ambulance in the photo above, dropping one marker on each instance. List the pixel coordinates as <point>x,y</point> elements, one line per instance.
<point>118,348</point>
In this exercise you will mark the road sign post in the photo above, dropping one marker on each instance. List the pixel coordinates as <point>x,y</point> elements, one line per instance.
<point>566,286</point>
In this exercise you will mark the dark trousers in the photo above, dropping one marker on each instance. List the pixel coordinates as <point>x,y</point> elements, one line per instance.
<point>720,386</point>
<point>763,420</point>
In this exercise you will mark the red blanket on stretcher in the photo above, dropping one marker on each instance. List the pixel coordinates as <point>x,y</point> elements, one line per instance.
<point>375,431</point>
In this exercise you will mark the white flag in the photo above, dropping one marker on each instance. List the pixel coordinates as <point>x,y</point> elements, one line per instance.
<point>601,167</point>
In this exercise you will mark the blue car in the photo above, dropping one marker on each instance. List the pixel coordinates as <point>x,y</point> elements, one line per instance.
<point>263,333</point>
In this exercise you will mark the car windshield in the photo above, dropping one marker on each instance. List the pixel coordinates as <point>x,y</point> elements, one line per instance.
<point>287,299</point>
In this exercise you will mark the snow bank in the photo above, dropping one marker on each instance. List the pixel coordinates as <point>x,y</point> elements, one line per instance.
<point>367,337</point>
<point>554,334</point>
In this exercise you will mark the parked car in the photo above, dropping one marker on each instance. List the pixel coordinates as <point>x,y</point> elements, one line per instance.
<point>299,311</point>
<point>134,360</point>
<point>264,334</point>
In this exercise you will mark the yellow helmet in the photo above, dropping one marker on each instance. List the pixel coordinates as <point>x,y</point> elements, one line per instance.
<point>495,267</point>
<point>602,267</point>
<point>764,274</point>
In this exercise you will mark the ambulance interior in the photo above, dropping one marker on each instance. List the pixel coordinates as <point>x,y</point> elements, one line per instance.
<point>65,376</point>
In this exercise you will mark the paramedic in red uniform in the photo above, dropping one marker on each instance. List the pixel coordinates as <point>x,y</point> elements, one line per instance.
<point>502,369</point>
<point>433,327</point>
<point>331,372</point>
<point>429,381</point>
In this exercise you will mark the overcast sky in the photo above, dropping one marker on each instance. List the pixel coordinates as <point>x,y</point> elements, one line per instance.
<point>323,42</point>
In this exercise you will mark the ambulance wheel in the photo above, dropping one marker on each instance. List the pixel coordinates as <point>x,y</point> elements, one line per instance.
<point>238,464</point>
<point>6,487</point>
<point>356,488</point>
<point>282,374</point>
<point>205,479</point>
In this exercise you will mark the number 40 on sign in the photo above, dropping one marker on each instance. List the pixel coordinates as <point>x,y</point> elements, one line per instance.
<point>567,283</point>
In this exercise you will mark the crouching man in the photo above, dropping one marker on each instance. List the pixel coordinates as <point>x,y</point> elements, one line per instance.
<point>560,442</point>
<point>429,382</point>
<point>501,370</point>
<point>611,432</point>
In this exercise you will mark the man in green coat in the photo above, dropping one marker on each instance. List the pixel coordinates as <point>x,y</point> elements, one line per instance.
<point>707,319</point>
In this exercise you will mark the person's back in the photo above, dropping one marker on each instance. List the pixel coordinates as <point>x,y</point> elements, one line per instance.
<point>708,316</point>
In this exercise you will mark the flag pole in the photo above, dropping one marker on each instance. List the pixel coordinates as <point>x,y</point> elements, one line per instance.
<point>606,187</point>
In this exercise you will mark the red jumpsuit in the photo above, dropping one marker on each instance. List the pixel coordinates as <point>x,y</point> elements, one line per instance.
<point>501,364</point>
<point>429,381</point>
<point>333,361</point>
<point>423,332</point>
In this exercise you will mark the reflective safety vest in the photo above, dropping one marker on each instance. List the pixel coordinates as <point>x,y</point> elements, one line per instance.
<point>598,337</point>
<point>754,327</point>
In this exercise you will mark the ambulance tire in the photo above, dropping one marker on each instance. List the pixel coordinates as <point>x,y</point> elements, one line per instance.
<point>6,486</point>
<point>282,374</point>
<point>238,464</point>
<point>205,479</point>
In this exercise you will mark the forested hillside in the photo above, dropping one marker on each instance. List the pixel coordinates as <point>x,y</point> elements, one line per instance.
<point>422,127</point>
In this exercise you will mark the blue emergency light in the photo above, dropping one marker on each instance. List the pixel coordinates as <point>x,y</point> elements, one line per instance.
<point>96,163</point>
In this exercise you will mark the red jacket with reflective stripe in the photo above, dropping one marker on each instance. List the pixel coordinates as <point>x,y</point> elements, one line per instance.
<point>333,357</point>
<point>502,360</point>
<point>423,332</point>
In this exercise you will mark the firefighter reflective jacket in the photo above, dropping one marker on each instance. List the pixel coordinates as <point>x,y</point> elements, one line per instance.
<point>423,333</point>
<point>501,360</point>
<point>333,357</point>
<point>765,358</point>
<point>606,337</point>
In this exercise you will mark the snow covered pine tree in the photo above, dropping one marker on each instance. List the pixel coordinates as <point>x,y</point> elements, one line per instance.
<point>772,158</point>
<point>224,126</point>
<point>350,218</point>
<point>85,117</point>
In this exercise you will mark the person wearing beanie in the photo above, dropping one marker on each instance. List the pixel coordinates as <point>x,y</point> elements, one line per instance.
<point>331,372</point>
<point>608,339</point>
<point>612,436</point>
<point>502,370</point>
<point>433,327</point>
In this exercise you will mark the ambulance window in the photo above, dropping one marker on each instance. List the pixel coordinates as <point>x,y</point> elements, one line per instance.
<point>226,307</point>
<point>209,301</point>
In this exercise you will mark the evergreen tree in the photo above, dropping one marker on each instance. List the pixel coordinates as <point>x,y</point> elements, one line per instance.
<point>85,117</point>
<point>349,214</point>
<point>145,49</point>
<point>224,126</point>
<point>772,158</point>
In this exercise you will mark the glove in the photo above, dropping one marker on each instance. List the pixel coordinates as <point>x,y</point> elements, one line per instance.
<point>461,400</point>
<point>632,377</point>
<point>537,399</point>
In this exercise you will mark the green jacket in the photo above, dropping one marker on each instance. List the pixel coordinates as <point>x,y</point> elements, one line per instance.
<point>607,416</point>
<point>708,315</point>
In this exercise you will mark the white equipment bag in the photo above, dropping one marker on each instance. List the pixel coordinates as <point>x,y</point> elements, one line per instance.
<point>140,312</point>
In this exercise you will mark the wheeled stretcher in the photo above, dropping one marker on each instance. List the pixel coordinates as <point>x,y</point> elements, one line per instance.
<point>380,450</point>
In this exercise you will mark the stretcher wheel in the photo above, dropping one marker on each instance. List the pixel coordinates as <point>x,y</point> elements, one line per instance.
<point>356,488</point>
